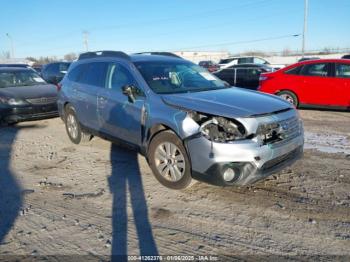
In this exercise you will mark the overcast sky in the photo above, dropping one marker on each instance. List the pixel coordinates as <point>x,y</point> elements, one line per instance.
<point>42,27</point>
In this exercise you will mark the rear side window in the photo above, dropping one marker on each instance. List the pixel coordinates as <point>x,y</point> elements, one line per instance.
<point>260,61</point>
<point>75,73</point>
<point>342,70</point>
<point>226,61</point>
<point>294,71</point>
<point>315,70</point>
<point>52,69</point>
<point>245,60</point>
<point>63,67</point>
<point>94,74</point>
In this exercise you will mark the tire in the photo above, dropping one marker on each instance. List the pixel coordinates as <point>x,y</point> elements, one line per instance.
<point>73,127</point>
<point>289,96</point>
<point>176,167</point>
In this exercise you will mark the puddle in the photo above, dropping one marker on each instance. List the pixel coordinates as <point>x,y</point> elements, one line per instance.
<point>328,143</point>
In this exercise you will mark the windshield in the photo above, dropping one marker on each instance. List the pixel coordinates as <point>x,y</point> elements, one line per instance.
<point>178,77</point>
<point>20,78</point>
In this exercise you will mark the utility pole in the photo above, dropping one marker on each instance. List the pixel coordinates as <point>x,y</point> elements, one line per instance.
<point>11,44</point>
<point>86,40</point>
<point>306,10</point>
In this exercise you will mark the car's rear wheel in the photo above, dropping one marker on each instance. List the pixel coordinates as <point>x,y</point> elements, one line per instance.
<point>289,96</point>
<point>169,161</point>
<point>73,127</point>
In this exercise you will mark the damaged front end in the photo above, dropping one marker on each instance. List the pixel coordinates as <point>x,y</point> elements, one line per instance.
<point>242,151</point>
<point>219,129</point>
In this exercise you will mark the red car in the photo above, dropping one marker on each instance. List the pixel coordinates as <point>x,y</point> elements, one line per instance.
<point>209,65</point>
<point>323,83</point>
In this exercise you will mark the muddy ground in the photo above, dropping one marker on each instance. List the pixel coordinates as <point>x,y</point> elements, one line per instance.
<point>57,198</point>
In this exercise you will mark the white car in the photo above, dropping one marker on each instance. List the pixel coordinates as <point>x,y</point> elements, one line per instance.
<point>234,60</point>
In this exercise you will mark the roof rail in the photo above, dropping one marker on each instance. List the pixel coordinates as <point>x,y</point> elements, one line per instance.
<point>159,53</point>
<point>103,54</point>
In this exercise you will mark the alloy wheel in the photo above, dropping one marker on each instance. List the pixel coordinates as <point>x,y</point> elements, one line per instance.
<point>169,161</point>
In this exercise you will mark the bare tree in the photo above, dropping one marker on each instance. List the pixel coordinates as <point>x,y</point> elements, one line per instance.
<point>70,56</point>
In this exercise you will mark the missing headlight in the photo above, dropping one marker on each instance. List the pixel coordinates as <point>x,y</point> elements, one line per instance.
<point>219,129</point>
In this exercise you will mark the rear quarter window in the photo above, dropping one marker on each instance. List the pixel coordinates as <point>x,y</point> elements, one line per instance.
<point>294,71</point>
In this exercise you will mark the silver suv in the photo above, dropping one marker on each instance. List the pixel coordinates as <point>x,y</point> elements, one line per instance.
<point>184,120</point>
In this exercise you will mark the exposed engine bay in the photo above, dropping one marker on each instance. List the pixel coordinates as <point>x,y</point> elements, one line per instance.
<point>219,129</point>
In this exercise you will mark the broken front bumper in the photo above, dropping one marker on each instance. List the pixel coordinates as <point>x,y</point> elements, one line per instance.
<point>248,160</point>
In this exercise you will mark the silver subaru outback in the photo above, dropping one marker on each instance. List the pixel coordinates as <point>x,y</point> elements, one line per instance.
<point>185,121</point>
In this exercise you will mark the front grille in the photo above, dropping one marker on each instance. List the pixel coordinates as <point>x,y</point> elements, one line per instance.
<point>42,100</point>
<point>281,132</point>
<point>289,128</point>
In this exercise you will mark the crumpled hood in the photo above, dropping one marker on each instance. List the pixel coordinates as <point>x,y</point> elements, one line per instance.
<point>28,92</point>
<point>231,102</point>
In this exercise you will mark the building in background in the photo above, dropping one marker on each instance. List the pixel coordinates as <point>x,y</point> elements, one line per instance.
<point>197,56</point>
<point>16,61</point>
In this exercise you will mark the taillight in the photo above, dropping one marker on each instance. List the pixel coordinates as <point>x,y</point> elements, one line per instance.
<point>263,78</point>
<point>59,86</point>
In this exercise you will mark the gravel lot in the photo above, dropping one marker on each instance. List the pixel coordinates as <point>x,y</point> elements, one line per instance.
<point>57,198</point>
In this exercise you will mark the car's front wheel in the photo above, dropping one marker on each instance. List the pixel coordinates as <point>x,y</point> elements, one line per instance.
<point>73,128</point>
<point>169,161</point>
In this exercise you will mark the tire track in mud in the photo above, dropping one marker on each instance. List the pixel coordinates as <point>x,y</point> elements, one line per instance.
<point>179,246</point>
<point>193,226</point>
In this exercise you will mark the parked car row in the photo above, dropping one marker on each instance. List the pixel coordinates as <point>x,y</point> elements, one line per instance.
<point>237,60</point>
<point>187,122</point>
<point>243,75</point>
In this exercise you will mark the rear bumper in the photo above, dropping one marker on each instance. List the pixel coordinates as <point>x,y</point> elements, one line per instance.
<point>28,113</point>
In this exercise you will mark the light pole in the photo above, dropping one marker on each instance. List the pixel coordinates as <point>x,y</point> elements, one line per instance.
<point>306,10</point>
<point>11,44</point>
<point>86,40</point>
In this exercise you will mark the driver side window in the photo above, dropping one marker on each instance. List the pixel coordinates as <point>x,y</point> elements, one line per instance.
<point>118,76</point>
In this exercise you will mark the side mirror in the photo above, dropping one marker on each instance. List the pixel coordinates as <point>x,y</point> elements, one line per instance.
<point>130,91</point>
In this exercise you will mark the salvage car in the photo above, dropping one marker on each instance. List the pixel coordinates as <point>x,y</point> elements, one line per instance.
<point>322,83</point>
<point>24,96</point>
<point>53,73</point>
<point>238,60</point>
<point>186,122</point>
<point>243,75</point>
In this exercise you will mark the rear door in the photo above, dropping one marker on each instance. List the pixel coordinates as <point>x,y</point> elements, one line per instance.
<point>86,89</point>
<point>228,75</point>
<point>316,84</point>
<point>119,117</point>
<point>342,84</point>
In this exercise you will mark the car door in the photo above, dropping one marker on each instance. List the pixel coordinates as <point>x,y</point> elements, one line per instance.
<point>342,85</point>
<point>86,90</point>
<point>315,85</point>
<point>252,77</point>
<point>118,116</point>
<point>240,76</point>
<point>227,74</point>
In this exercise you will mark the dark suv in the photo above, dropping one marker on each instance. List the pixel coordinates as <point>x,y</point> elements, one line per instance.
<point>53,73</point>
<point>187,122</point>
